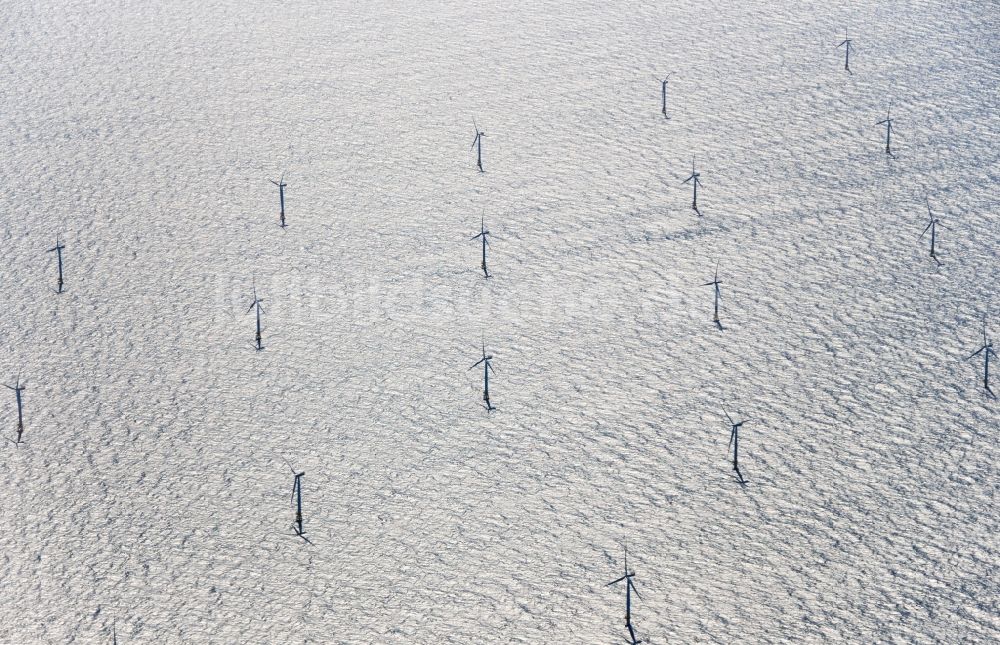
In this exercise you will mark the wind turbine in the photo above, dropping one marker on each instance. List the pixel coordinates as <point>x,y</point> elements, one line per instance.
<point>985,350</point>
<point>734,445</point>
<point>695,182</point>
<point>487,368</point>
<point>629,588</point>
<point>58,248</point>
<point>297,498</point>
<point>483,233</point>
<point>932,227</point>
<point>477,143</point>
<point>888,129</point>
<point>718,294</point>
<point>847,53</point>
<point>281,196</point>
<point>256,304</point>
<point>663,92</point>
<point>297,501</point>
<point>18,388</point>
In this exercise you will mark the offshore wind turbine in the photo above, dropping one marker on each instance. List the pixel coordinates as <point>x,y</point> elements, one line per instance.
<point>483,233</point>
<point>58,248</point>
<point>297,501</point>
<point>629,588</point>
<point>888,129</point>
<point>256,305</point>
<point>695,182</point>
<point>281,196</point>
<point>734,445</point>
<point>297,498</point>
<point>18,388</point>
<point>718,294</point>
<point>846,44</point>
<point>986,349</point>
<point>932,227</point>
<point>487,368</point>
<point>663,92</point>
<point>477,143</point>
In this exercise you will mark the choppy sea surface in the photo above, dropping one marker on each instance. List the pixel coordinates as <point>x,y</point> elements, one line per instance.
<point>151,495</point>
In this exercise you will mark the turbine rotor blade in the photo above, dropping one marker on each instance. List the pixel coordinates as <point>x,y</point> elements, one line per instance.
<point>289,464</point>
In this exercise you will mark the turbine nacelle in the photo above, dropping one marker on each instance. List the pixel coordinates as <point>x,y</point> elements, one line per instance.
<point>483,232</point>
<point>715,281</point>
<point>256,303</point>
<point>479,133</point>
<point>695,176</point>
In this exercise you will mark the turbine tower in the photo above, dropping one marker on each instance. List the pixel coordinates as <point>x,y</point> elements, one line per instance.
<point>18,388</point>
<point>663,93</point>
<point>483,233</point>
<point>58,249</point>
<point>629,588</point>
<point>487,368</point>
<point>734,445</point>
<point>695,180</point>
<point>281,197</point>
<point>477,143</point>
<point>718,294</point>
<point>986,350</point>
<point>932,227</point>
<point>888,129</point>
<point>846,44</point>
<point>256,305</point>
